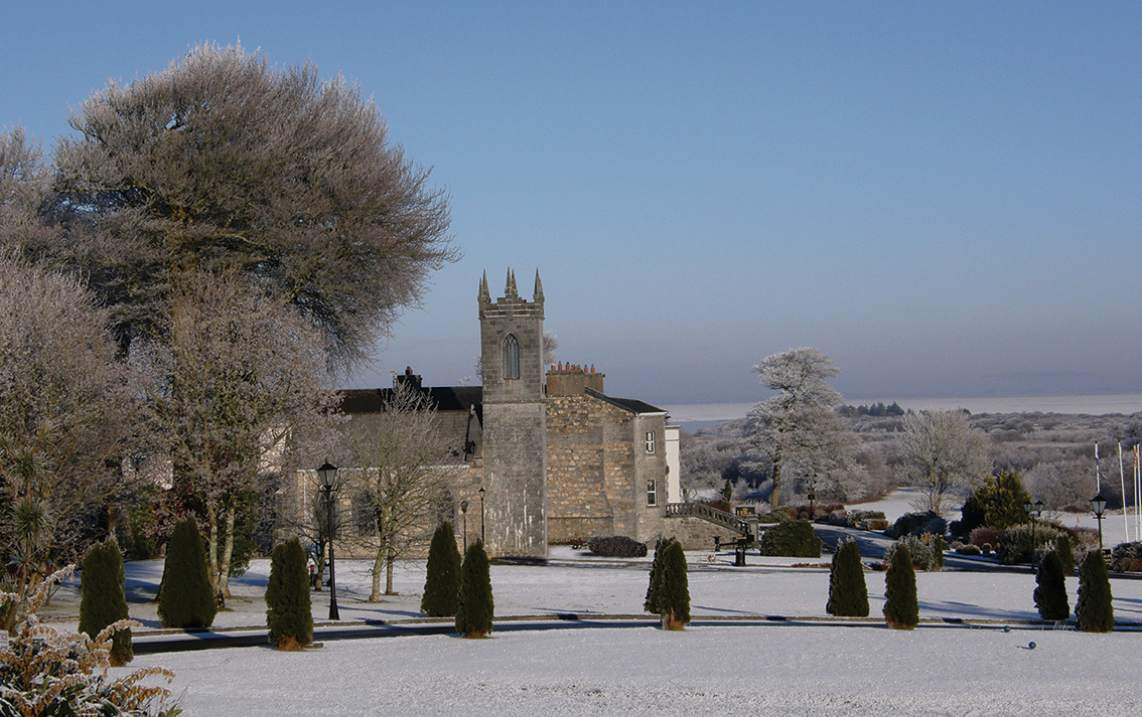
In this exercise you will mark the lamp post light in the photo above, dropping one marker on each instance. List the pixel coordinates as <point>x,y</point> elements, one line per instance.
<point>328,475</point>
<point>1098,506</point>
<point>481,514</point>
<point>464,519</point>
<point>1033,510</point>
<point>812,496</point>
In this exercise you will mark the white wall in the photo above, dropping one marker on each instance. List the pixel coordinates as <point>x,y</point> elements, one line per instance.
<point>673,466</point>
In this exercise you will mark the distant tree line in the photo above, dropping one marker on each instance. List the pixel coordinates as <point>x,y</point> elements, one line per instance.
<point>875,410</point>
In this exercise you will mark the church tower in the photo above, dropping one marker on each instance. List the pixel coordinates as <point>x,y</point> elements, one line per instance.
<point>515,431</point>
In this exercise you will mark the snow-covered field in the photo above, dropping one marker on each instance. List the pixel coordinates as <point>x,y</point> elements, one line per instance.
<point>779,670</point>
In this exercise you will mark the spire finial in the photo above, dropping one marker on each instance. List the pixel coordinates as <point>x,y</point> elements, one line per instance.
<point>485,295</point>
<point>510,290</point>
<point>537,294</point>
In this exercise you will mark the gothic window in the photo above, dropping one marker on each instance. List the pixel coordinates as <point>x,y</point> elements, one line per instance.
<point>652,492</point>
<point>511,357</point>
<point>650,441</point>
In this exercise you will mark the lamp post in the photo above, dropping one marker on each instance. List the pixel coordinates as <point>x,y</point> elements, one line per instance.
<point>481,514</point>
<point>1098,506</point>
<point>328,475</point>
<point>1033,510</point>
<point>812,496</point>
<point>464,519</point>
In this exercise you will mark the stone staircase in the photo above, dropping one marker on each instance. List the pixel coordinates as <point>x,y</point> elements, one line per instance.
<point>711,514</point>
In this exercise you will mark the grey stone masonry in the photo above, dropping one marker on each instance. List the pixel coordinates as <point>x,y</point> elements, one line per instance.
<point>511,350</point>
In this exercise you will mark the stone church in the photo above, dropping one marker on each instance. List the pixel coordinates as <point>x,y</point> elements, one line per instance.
<point>541,454</point>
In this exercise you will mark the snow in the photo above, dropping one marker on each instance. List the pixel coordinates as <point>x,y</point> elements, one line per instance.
<point>787,670</point>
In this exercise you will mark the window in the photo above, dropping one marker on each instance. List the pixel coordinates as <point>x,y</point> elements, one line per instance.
<point>511,357</point>
<point>650,441</point>
<point>652,492</point>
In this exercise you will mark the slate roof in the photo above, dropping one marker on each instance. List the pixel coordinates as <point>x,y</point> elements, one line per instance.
<point>632,405</point>
<point>445,398</point>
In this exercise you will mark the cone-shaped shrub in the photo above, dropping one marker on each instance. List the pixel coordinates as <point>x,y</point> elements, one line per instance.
<point>1051,590</point>
<point>1093,608</point>
<point>185,597</point>
<point>474,613</point>
<point>650,602</point>
<point>103,599</point>
<point>901,610</point>
<point>672,589</point>
<point>287,598</point>
<point>848,594</point>
<point>442,584</point>
<point>1065,550</point>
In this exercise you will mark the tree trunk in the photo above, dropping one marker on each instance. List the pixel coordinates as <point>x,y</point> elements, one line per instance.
<point>212,544</point>
<point>223,585</point>
<point>389,561</point>
<point>775,496</point>
<point>378,566</point>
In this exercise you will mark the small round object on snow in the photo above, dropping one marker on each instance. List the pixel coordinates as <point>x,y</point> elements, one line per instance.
<point>1031,645</point>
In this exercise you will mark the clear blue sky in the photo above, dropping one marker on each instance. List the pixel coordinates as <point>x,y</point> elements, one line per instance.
<point>945,198</point>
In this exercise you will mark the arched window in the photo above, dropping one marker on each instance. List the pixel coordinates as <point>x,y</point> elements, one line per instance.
<point>511,357</point>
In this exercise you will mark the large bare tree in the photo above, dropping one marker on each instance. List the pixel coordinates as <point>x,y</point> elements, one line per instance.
<point>798,426</point>
<point>943,452</point>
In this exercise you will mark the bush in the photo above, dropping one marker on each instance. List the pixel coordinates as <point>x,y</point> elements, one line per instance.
<point>1126,558</point>
<point>671,590</point>
<point>972,516</point>
<point>984,535</point>
<point>476,609</point>
<point>442,583</point>
<point>1051,589</point>
<point>288,612</point>
<point>1065,552</point>
<point>186,599</point>
<point>777,517</point>
<point>901,609</point>
<point>917,524</point>
<point>968,550</point>
<point>793,539</point>
<point>650,603</point>
<point>927,552</point>
<point>1001,498</point>
<point>1093,608</point>
<point>103,600</point>
<point>1023,543</point>
<point>876,524</point>
<point>848,594</point>
<point>617,546</point>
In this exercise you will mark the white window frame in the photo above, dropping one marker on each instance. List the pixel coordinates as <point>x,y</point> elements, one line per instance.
<point>651,440</point>
<point>652,492</point>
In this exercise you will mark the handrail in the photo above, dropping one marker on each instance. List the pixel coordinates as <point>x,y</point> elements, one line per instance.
<point>710,514</point>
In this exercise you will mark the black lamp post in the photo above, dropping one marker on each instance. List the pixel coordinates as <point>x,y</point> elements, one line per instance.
<point>464,519</point>
<point>328,475</point>
<point>1098,506</point>
<point>1033,510</point>
<point>812,497</point>
<point>481,514</point>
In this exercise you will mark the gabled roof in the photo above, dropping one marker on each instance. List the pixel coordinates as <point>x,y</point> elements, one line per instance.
<point>631,405</point>
<point>444,398</point>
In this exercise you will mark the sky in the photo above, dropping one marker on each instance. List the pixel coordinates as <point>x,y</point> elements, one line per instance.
<point>945,198</point>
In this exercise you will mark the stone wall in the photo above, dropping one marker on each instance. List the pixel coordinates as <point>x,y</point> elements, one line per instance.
<point>695,533</point>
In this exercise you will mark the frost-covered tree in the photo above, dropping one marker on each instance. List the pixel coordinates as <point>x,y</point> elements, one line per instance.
<point>798,426</point>
<point>943,452</point>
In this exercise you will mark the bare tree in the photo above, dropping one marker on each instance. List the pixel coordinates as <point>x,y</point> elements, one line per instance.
<point>943,452</point>
<point>798,426</point>
<point>245,372</point>
<point>68,416</point>
<point>401,479</point>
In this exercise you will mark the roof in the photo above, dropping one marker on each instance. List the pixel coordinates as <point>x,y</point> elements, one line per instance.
<point>632,405</point>
<point>444,398</point>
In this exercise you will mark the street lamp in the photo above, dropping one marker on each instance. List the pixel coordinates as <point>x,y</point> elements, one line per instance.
<point>1033,510</point>
<point>464,518</point>
<point>812,496</point>
<point>481,514</point>
<point>328,475</point>
<point>1098,505</point>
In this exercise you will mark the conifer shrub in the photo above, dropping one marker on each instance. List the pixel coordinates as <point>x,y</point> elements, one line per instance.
<point>617,546</point>
<point>475,611</point>
<point>1093,608</point>
<point>901,609</point>
<point>848,594</point>
<point>1126,558</point>
<point>186,599</point>
<point>792,539</point>
<point>288,614</point>
<point>917,524</point>
<point>650,603</point>
<point>442,583</point>
<point>968,550</point>
<point>1064,549</point>
<point>1023,543</point>
<point>103,599</point>
<point>672,590</point>
<point>927,551</point>
<point>1051,589</point>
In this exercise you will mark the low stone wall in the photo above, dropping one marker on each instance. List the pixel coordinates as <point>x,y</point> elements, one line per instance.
<point>695,533</point>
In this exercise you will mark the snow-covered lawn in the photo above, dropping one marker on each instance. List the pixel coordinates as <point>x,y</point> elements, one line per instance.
<point>779,670</point>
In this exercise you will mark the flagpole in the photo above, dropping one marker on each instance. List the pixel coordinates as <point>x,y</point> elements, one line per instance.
<point>1122,480</point>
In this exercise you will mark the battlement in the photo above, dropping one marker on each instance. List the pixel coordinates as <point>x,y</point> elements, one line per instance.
<point>511,304</point>
<point>567,379</point>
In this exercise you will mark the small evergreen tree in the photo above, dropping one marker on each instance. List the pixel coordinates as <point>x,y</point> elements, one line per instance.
<point>848,594</point>
<point>103,598</point>
<point>672,590</point>
<point>901,610</point>
<point>442,583</point>
<point>650,602</point>
<point>1051,589</point>
<point>1002,498</point>
<point>1065,550</point>
<point>288,614</point>
<point>475,611</point>
<point>1093,608</point>
<point>186,599</point>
